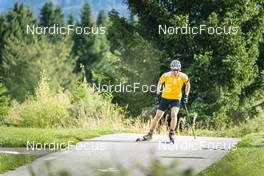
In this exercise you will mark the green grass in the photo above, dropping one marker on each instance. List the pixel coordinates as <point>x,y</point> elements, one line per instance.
<point>246,160</point>
<point>254,125</point>
<point>18,137</point>
<point>9,162</point>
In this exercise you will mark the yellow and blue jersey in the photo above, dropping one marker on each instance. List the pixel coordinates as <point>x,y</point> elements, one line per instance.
<point>173,85</point>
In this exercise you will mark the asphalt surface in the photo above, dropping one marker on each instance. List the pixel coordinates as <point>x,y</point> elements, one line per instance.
<point>117,153</point>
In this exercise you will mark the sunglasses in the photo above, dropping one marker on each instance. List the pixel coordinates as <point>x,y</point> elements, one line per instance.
<point>175,70</point>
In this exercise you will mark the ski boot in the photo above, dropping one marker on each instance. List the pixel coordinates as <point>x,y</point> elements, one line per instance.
<point>146,137</point>
<point>172,136</point>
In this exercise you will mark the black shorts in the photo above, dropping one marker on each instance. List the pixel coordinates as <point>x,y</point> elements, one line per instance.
<point>166,103</point>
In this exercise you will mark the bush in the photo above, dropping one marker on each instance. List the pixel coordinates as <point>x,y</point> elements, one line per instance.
<point>46,109</point>
<point>4,102</point>
<point>92,110</point>
<point>51,109</point>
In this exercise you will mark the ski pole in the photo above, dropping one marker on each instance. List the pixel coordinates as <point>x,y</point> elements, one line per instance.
<point>187,112</point>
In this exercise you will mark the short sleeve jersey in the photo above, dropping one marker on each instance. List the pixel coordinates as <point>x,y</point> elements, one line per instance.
<point>173,85</point>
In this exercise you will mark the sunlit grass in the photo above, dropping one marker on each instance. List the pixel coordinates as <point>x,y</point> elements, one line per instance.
<point>247,160</point>
<point>9,162</point>
<point>18,137</point>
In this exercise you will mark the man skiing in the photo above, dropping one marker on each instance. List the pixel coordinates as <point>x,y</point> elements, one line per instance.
<point>170,98</point>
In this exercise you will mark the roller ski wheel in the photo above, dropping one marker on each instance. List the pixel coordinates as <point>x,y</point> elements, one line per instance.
<point>147,137</point>
<point>172,136</point>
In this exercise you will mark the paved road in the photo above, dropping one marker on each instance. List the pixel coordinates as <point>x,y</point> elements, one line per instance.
<point>111,152</point>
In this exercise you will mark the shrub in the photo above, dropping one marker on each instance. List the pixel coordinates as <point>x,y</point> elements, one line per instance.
<point>4,102</point>
<point>46,109</point>
<point>80,108</point>
<point>92,110</point>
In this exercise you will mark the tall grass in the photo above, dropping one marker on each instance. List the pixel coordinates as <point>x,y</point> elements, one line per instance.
<point>253,125</point>
<point>80,108</point>
<point>84,108</point>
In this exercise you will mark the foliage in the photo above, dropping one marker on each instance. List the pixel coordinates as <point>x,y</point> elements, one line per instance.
<point>83,44</point>
<point>18,137</point>
<point>4,103</point>
<point>9,162</point>
<point>254,125</point>
<point>225,70</point>
<point>139,63</point>
<point>23,64</point>
<point>246,160</point>
<point>50,108</point>
<point>50,16</point>
<point>102,18</point>
<point>11,26</point>
<point>46,109</point>
<point>92,110</point>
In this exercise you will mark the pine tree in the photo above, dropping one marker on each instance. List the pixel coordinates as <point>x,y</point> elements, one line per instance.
<point>23,64</point>
<point>16,22</point>
<point>83,44</point>
<point>71,19</point>
<point>2,30</point>
<point>12,66</point>
<point>101,18</point>
<point>50,16</point>
<point>25,56</point>
<point>104,68</point>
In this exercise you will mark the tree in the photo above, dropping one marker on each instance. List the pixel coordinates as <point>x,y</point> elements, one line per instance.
<point>104,68</point>
<point>23,64</point>
<point>138,62</point>
<point>83,44</point>
<point>71,19</point>
<point>4,102</point>
<point>221,67</point>
<point>101,18</point>
<point>13,29</point>
<point>50,16</point>
<point>2,30</point>
<point>15,23</point>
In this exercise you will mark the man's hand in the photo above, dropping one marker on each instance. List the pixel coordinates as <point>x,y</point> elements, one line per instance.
<point>157,99</point>
<point>185,99</point>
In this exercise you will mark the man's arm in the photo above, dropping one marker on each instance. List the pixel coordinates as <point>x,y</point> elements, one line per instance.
<point>187,88</point>
<point>187,91</point>
<point>159,87</point>
<point>157,99</point>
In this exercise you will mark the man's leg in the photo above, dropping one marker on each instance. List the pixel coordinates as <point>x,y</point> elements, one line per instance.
<point>154,124</point>
<point>156,120</point>
<point>174,113</point>
<point>173,124</point>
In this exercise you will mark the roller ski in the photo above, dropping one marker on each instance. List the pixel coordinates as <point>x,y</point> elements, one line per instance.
<point>172,136</point>
<point>147,137</point>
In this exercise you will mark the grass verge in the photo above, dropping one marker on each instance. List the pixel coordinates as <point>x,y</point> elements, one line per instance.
<point>246,160</point>
<point>18,137</point>
<point>9,162</point>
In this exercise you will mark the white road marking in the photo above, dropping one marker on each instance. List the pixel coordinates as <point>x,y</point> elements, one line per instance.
<point>11,152</point>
